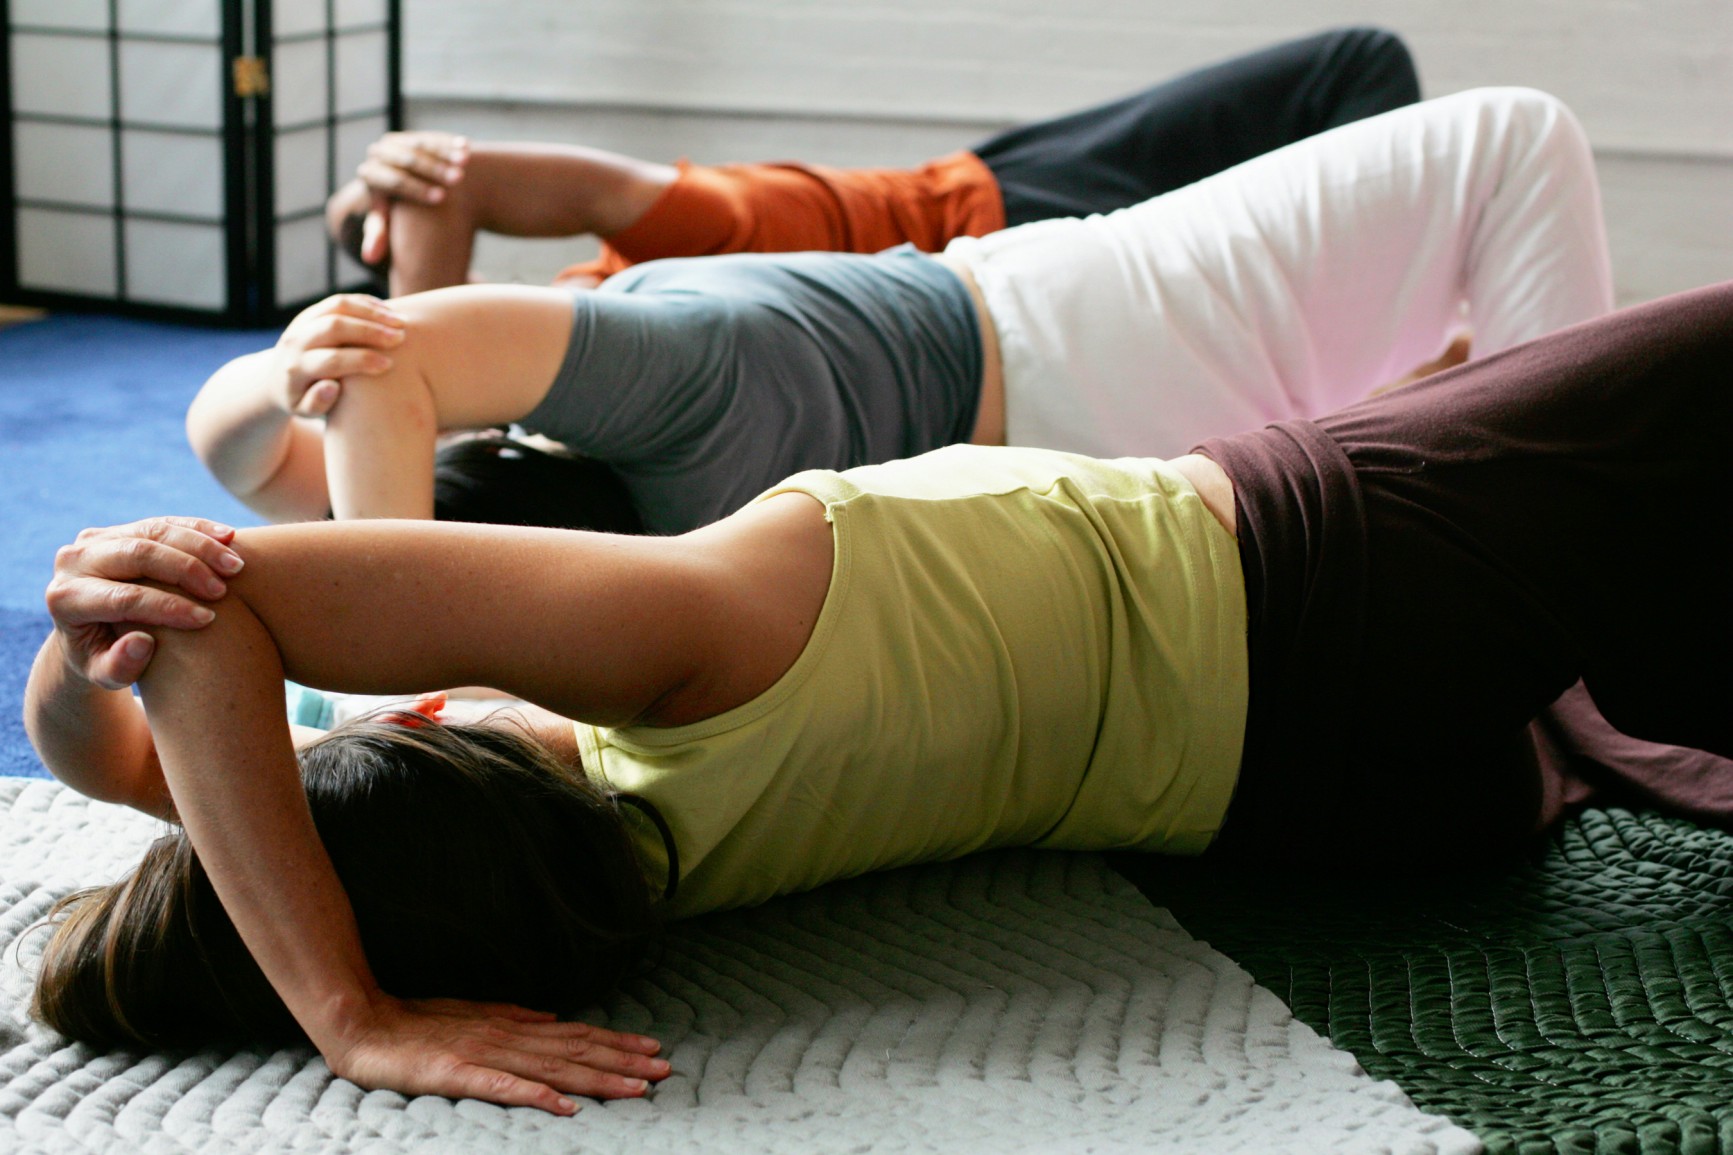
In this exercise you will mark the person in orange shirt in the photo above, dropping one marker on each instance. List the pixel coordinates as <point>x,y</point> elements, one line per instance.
<point>420,197</point>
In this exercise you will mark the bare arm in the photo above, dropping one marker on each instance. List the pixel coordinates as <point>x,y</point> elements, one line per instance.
<point>588,625</point>
<point>426,195</point>
<point>255,424</point>
<point>473,356</point>
<point>385,378</point>
<point>86,726</point>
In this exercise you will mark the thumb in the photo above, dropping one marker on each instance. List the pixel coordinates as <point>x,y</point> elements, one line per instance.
<point>319,398</point>
<point>376,231</point>
<point>123,662</point>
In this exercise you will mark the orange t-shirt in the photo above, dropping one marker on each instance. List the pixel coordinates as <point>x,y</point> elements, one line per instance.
<point>783,208</point>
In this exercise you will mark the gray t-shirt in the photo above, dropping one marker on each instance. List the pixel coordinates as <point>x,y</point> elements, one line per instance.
<point>705,381</point>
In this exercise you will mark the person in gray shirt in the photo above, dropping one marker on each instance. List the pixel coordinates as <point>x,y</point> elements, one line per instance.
<point>672,395</point>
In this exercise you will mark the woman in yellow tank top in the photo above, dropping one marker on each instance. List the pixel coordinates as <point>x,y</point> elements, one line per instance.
<point>1316,640</point>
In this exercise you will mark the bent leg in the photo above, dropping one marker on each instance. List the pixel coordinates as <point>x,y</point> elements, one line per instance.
<point>1555,511</point>
<point>1300,281</point>
<point>1198,124</point>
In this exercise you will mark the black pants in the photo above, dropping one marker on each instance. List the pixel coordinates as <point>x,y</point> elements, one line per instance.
<point>1198,124</point>
<point>1428,570</point>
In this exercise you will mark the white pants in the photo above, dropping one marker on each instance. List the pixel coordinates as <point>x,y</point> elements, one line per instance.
<point>1298,282</point>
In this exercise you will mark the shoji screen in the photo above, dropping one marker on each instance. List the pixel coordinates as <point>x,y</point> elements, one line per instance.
<point>173,156</point>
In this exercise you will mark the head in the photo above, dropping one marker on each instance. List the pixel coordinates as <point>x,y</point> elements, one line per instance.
<point>479,865</point>
<point>504,481</point>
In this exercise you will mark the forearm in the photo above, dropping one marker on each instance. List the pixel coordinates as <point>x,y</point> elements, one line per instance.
<point>472,356</point>
<point>261,454</point>
<point>379,448</point>
<point>518,190</point>
<point>95,740</point>
<point>560,190</point>
<point>214,703</point>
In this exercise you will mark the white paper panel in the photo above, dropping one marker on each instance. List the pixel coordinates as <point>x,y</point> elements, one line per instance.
<point>61,14</point>
<point>172,17</point>
<point>61,75</point>
<point>64,162</point>
<point>171,172</point>
<point>175,264</point>
<point>361,72</point>
<point>301,261</point>
<point>301,171</point>
<point>178,84</point>
<point>293,17</point>
<point>66,252</point>
<point>298,92</point>
<point>353,137</point>
<point>354,12</point>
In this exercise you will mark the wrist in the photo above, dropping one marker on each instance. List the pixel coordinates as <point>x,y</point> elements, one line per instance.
<point>340,1020</point>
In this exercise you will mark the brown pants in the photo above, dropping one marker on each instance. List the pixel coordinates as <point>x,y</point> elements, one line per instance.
<point>1428,570</point>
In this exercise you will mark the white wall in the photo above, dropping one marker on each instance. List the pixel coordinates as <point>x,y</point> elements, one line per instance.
<point>894,81</point>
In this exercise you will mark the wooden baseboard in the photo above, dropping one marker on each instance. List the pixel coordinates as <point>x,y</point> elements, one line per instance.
<point>13,314</point>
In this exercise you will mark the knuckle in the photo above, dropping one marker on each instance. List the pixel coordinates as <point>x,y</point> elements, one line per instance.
<point>120,599</point>
<point>56,597</point>
<point>497,1083</point>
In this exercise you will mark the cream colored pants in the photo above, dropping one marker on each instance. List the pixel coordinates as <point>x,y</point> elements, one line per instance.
<point>1298,282</point>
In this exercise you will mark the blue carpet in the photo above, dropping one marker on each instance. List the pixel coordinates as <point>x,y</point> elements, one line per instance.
<point>91,433</point>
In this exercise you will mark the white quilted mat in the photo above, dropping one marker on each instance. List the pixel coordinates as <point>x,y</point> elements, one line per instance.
<point>1007,1003</point>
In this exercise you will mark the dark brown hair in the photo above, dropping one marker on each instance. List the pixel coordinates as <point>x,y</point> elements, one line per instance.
<point>479,865</point>
<point>501,480</point>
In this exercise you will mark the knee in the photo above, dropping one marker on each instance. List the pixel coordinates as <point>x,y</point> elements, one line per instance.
<point>1379,50</point>
<point>1542,123</point>
<point>1512,123</point>
<point>1377,63</point>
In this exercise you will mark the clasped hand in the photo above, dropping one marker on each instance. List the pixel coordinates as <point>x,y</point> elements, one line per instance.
<point>110,582</point>
<point>338,337</point>
<point>419,167</point>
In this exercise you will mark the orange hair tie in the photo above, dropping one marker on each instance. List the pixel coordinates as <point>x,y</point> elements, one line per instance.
<point>427,709</point>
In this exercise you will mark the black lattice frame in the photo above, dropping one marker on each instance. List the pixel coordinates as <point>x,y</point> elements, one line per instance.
<point>248,134</point>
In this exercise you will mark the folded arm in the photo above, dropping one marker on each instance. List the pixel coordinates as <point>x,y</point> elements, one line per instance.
<point>340,417</point>
<point>610,629</point>
<point>424,196</point>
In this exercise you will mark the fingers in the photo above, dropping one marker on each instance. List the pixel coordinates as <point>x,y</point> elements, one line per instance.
<point>619,1040</point>
<point>615,1040</point>
<point>339,337</point>
<point>215,530</point>
<point>570,1064</point>
<point>332,364</point>
<point>576,1058</point>
<point>96,578</point>
<point>165,550</point>
<point>416,167</point>
<point>357,307</point>
<point>472,1081</point>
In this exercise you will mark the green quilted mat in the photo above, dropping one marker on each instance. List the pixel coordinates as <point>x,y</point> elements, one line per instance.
<point>1578,1002</point>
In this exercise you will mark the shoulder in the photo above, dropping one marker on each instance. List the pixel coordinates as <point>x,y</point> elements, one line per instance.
<point>759,583</point>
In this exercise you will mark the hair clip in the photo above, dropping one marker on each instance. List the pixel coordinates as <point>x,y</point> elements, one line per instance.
<point>427,708</point>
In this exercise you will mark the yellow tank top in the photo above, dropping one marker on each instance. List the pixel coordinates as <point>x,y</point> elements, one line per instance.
<point>1018,648</point>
